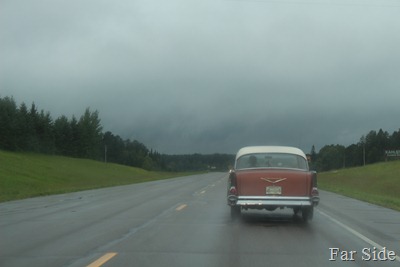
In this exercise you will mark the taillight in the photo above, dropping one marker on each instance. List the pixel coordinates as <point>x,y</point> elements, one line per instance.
<point>314,192</point>
<point>315,196</point>
<point>233,191</point>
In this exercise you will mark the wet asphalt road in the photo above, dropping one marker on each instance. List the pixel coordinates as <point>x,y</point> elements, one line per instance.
<point>186,222</point>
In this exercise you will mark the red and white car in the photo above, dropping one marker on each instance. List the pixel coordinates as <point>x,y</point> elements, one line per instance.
<point>271,177</point>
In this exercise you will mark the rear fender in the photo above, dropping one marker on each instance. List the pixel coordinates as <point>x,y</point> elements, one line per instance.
<point>232,196</point>
<point>314,188</point>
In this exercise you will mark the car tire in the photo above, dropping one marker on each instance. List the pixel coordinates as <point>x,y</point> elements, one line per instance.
<point>307,213</point>
<point>235,212</point>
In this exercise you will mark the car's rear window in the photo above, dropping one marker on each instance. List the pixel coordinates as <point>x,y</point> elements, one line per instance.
<point>271,160</point>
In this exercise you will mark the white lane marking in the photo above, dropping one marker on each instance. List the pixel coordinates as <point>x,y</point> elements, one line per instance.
<point>354,232</point>
<point>100,261</point>
<point>181,207</point>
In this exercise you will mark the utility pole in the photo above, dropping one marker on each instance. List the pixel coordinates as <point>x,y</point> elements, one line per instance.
<point>363,140</point>
<point>364,153</point>
<point>105,153</point>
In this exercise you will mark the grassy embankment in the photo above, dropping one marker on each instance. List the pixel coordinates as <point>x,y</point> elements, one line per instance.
<point>376,183</point>
<point>24,175</point>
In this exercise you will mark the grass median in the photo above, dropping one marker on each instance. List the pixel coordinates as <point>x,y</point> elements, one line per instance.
<point>376,183</point>
<point>24,175</point>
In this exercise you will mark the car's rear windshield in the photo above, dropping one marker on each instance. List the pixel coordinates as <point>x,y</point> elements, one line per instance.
<point>271,160</point>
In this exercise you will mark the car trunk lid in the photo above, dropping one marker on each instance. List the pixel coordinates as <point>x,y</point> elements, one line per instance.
<point>283,182</point>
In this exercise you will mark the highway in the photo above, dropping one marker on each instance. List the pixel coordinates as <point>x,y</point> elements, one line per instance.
<point>186,222</point>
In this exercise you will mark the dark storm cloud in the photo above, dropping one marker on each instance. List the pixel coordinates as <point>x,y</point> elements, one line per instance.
<point>209,76</point>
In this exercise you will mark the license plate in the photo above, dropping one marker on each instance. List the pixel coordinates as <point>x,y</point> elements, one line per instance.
<point>274,190</point>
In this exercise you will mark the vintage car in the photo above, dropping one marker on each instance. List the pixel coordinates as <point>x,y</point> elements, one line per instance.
<point>271,177</point>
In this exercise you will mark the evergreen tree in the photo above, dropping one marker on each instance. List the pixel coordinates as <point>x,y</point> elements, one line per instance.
<point>394,140</point>
<point>63,136</point>
<point>90,135</point>
<point>44,129</point>
<point>24,130</point>
<point>74,147</point>
<point>331,157</point>
<point>354,155</point>
<point>8,118</point>
<point>115,147</point>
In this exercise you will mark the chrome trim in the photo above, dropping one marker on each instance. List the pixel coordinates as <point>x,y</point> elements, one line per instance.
<point>315,200</point>
<point>273,180</point>
<point>232,199</point>
<point>273,201</point>
<point>271,168</point>
<point>273,197</point>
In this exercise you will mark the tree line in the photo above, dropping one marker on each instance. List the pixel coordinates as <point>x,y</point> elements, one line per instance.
<point>24,128</point>
<point>369,149</point>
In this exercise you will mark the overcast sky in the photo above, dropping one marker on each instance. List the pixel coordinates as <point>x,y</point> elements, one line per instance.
<point>186,76</point>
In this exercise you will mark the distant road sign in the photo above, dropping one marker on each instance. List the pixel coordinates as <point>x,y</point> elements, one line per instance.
<point>392,153</point>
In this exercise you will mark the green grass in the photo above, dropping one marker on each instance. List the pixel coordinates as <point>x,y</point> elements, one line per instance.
<point>24,175</point>
<point>376,183</point>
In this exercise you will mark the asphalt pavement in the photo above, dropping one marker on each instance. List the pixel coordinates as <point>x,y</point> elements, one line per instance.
<point>186,222</point>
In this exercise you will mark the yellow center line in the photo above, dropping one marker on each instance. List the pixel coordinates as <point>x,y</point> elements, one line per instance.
<point>106,257</point>
<point>181,207</point>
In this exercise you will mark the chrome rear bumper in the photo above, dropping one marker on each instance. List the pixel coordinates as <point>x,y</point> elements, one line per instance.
<point>273,201</point>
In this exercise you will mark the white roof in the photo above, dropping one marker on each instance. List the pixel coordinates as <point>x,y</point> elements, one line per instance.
<point>269,149</point>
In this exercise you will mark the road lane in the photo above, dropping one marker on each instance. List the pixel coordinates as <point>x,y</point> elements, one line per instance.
<point>56,230</point>
<point>204,235</point>
<point>184,222</point>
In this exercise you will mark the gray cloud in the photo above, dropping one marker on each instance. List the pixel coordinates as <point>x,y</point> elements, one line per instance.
<point>209,76</point>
